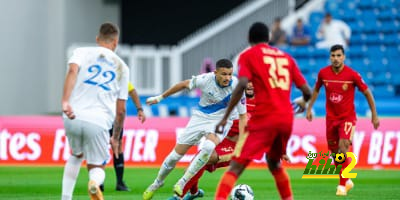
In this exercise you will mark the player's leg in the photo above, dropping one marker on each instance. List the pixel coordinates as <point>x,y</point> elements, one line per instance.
<point>96,140</point>
<point>198,162</point>
<point>119,166</point>
<point>229,178</point>
<point>243,153</point>
<point>346,130</point>
<point>167,166</point>
<point>200,127</point>
<point>277,150</point>
<point>73,164</point>
<point>192,184</point>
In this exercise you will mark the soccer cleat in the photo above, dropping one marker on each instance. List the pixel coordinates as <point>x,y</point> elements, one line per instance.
<point>149,193</point>
<point>174,198</point>
<point>349,185</point>
<point>94,191</point>
<point>122,187</point>
<point>341,191</point>
<point>178,189</point>
<point>189,196</point>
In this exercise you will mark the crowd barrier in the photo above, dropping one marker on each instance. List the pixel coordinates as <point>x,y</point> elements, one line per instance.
<point>40,140</point>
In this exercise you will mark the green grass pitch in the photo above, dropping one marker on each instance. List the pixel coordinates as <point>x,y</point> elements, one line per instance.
<point>45,183</point>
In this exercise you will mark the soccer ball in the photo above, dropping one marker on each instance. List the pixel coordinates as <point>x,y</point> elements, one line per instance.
<point>242,192</point>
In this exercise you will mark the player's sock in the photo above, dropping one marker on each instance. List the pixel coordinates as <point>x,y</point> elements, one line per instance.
<point>225,185</point>
<point>119,167</point>
<point>198,162</point>
<point>342,181</point>
<point>71,171</point>
<point>192,184</point>
<point>97,175</point>
<point>168,165</point>
<point>282,182</point>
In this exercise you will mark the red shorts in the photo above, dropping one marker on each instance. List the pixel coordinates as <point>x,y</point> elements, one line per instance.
<point>269,135</point>
<point>224,151</point>
<point>339,129</point>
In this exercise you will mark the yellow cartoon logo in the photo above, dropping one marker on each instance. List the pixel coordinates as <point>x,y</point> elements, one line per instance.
<point>340,158</point>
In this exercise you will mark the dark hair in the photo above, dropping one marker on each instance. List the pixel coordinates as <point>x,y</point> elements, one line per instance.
<point>337,47</point>
<point>258,32</point>
<point>224,63</point>
<point>108,31</point>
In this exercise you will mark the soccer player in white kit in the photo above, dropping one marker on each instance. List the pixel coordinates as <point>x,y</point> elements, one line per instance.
<point>94,96</point>
<point>216,89</point>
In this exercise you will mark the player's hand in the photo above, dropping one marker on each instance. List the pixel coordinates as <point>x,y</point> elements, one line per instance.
<point>141,116</point>
<point>286,158</point>
<point>299,105</point>
<point>154,100</point>
<point>67,110</point>
<point>309,115</point>
<point>114,146</point>
<point>375,122</point>
<point>219,128</point>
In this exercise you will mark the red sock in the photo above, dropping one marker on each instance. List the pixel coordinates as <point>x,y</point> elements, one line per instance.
<point>225,185</point>
<point>283,183</point>
<point>192,185</point>
<point>342,181</point>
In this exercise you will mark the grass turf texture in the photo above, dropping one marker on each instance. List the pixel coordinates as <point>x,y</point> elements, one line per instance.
<point>45,183</point>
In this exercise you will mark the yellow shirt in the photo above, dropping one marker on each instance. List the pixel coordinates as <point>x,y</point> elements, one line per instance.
<point>130,87</point>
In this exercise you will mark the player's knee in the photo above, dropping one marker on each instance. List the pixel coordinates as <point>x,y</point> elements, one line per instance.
<point>273,164</point>
<point>236,168</point>
<point>208,146</point>
<point>344,145</point>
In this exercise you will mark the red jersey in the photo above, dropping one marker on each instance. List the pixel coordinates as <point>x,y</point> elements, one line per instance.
<point>340,89</point>
<point>272,73</point>
<point>250,107</point>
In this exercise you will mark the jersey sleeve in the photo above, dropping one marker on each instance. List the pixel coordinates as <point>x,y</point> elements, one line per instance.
<point>319,82</point>
<point>130,87</point>
<point>198,81</point>
<point>243,65</point>
<point>298,77</point>
<point>359,82</point>
<point>124,82</point>
<point>77,57</point>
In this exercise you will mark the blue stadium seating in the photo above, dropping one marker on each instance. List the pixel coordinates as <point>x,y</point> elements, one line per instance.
<point>374,52</point>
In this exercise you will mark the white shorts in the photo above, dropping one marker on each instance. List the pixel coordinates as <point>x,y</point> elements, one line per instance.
<point>199,127</point>
<point>89,139</point>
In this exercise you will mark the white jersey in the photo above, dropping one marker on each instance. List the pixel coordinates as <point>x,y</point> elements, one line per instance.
<point>102,79</point>
<point>215,99</point>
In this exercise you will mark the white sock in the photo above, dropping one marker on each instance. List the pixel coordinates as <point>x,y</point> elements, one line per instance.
<point>71,171</point>
<point>168,165</point>
<point>97,174</point>
<point>199,161</point>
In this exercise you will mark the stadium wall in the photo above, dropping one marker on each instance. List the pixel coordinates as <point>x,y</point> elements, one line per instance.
<point>35,140</point>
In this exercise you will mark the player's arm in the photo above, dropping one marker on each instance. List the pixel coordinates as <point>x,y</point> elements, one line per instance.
<point>371,102</point>
<point>69,84</point>
<point>136,100</point>
<point>242,122</point>
<point>236,96</point>
<point>172,90</point>
<point>118,125</point>
<point>314,97</point>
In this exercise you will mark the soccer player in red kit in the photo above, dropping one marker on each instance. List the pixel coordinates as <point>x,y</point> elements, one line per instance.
<point>272,73</point>
<point>340,82</point>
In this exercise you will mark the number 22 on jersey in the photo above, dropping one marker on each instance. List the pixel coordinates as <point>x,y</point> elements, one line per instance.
<point>278,72</point>
<point>96,70</point>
